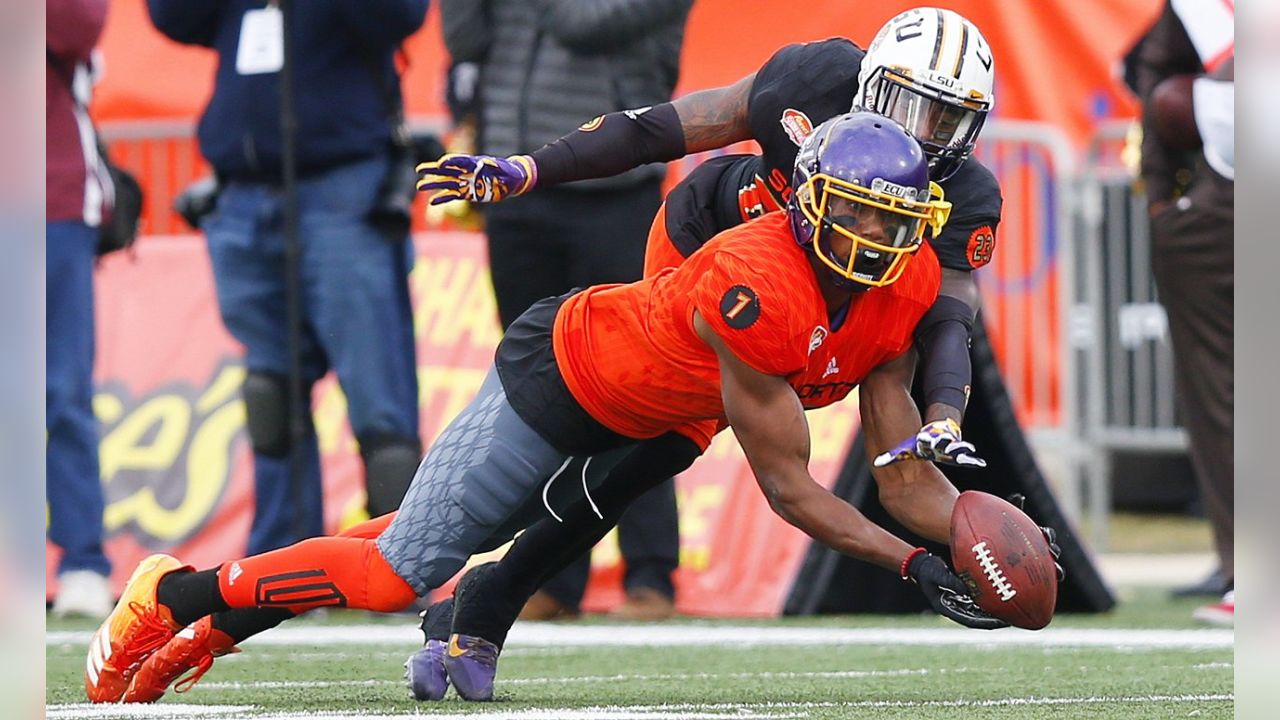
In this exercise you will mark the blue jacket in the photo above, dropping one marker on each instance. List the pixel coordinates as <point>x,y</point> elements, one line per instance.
<point>340,106</point>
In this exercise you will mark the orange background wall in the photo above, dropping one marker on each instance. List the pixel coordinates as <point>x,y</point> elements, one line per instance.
<point>1055,59</point>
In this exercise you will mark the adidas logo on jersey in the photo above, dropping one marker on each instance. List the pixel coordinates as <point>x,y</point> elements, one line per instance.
<point>832,368</point>
<point>235,573</point>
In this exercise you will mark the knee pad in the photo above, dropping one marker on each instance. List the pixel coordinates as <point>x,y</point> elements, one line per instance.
<point>266,410</point>
<point>389,465</point>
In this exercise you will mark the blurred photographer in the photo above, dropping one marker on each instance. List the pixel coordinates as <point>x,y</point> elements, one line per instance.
<point>354,256</point>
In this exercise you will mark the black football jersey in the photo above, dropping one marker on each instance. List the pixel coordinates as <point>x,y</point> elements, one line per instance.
<point>799,88</point>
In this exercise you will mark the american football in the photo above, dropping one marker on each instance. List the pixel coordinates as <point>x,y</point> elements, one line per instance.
<point>1004,558</point>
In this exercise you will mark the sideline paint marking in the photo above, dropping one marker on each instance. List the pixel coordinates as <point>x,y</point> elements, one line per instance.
<point>711,711</point>
<point>766,675</point>
<point>595,636</point>
<point>155,712</point>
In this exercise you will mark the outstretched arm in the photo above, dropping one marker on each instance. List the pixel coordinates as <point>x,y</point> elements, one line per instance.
<point>914,492</point>
<point>770,425</point>
<point>619,141</point>
<point>602,147</point>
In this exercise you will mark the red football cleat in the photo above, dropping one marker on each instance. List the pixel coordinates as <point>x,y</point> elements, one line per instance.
<point>194,647</point>
<point>137,627</point>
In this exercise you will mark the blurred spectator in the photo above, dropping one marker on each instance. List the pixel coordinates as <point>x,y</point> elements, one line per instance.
<point>77,196</point>
<point>1183,70</point>
<point>545,67</point>
<point>353,269</point>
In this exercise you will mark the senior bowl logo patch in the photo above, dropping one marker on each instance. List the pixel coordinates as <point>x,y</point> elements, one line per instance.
<point>740,307</point>
<point>982,243</point>
<point>817,338</point>
<point>797,124</point>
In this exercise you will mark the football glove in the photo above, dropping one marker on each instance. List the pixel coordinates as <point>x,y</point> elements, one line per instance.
<point>1050,535</point>
<point>938,441</point>
<point>477,178</point>
<point>947,593</point>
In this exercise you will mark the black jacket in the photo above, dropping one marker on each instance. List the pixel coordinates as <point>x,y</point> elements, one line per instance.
<point>547,66</point>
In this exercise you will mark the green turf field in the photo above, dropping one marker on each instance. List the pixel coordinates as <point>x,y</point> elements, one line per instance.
<point>1146,660</point>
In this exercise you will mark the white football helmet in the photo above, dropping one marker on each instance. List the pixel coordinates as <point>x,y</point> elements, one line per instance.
<point>932,71</point>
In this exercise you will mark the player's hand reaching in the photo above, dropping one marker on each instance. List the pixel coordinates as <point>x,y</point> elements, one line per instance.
<point>938,441</point>
<point>477,178</point>
<point>947,593</point>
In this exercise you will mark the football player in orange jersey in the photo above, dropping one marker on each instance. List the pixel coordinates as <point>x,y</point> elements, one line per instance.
<point>789,311</point>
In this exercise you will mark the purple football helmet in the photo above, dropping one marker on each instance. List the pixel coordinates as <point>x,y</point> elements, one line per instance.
<point>863,198</point>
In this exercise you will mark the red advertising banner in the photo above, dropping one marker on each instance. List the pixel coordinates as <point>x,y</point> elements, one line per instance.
<point>1056,59</point>
<point>176,460</point>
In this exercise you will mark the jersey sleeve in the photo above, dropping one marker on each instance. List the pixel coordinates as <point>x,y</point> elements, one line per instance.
<point>751,314</point>
<point>798,88</point>
<point>968,241</point>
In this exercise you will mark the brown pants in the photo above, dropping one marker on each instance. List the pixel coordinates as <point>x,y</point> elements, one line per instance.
<point>1193,259</point>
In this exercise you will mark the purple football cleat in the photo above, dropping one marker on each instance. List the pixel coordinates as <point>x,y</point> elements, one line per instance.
<point>472,663</point>
<point>426,674</point>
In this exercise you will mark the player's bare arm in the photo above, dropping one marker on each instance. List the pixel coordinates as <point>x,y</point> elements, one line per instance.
<point>770,425</point>
<point>717,117</point>
<point>915,493</point>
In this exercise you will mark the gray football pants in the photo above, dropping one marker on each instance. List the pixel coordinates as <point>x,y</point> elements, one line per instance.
<point>485,479</point>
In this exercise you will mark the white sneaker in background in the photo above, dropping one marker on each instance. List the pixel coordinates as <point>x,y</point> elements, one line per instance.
<point>83,593</point>
<point>1222,612</point>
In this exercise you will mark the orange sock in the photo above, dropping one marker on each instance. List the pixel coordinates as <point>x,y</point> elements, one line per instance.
<point>325,571</point>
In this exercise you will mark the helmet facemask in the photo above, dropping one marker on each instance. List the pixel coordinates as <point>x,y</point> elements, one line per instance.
<point>866,235</point>
<point>945,125</point>
<point>932,71</point>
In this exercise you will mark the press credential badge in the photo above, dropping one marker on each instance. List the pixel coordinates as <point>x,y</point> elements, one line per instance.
<point>261,42</point>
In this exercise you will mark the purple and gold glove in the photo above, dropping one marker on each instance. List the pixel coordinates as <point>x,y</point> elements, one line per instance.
<point>938,441</point>
<point>477,178</point>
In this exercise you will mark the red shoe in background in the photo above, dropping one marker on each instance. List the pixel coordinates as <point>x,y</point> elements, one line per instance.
<point>1222,612</point>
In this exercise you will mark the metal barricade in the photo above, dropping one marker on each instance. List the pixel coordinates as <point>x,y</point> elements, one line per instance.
<point>1119,329</point>
<point>1027,291</point>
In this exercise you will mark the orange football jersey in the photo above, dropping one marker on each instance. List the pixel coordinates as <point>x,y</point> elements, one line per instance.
<point>630,356</point>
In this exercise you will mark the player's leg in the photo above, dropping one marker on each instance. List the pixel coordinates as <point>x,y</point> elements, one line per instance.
<point>489,597</point>
<point>629,212</point>
<point>196,647</point>
<point>649,539</point>
<point>485,466</point>
<point>480,472</point>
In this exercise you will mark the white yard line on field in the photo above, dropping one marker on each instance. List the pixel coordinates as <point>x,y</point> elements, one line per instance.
<point>582,679</point>
<point>698,711</point>
<point>556,635</point>
<point>167,711</point>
